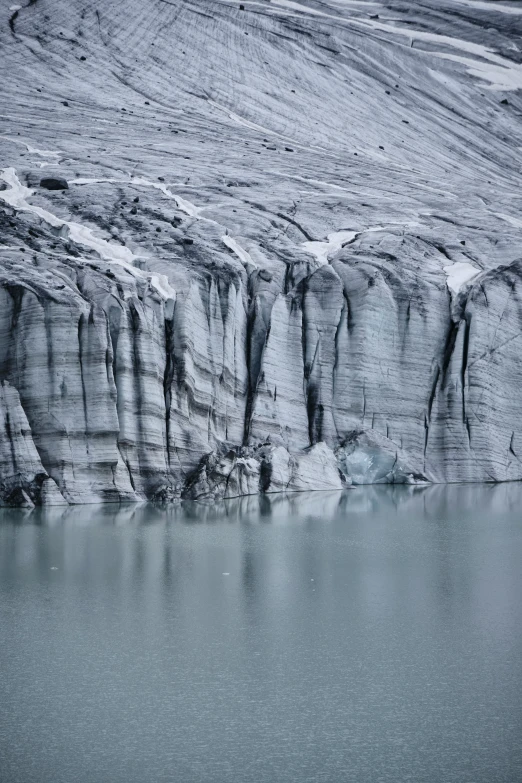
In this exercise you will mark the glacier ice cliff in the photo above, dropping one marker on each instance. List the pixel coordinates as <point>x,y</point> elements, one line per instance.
<point>284,251</point>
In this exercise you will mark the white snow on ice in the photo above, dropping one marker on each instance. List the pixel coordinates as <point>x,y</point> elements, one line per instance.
<point>483,6</point>
<point>254,126</point>
<point>183,205</point>
<point>501,73</point>
<point>34,150</point>
<point>292,6</point>
<point>335,241</point>
<point>513,221</point>
<point>338,239</point>
<point>17,196</point>
<point>236,248</point>
<point>241,120</point>
<point>459,274</point>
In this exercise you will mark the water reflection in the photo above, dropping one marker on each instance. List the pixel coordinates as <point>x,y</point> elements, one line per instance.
<point>361,635</point>
<point>432,501</point>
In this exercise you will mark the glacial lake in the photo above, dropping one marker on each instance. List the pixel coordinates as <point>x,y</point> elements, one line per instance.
<point>372,635</point>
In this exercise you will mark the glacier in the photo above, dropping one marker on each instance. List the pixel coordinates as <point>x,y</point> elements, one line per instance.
<point>288,257</point>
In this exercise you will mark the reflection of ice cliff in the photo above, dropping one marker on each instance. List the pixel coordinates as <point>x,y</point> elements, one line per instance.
<point>433,502</point>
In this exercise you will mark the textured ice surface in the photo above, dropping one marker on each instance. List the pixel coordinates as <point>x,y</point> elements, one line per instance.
<point>288,257</point>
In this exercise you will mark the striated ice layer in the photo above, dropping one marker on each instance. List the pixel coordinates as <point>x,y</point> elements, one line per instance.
<point>288,256</point>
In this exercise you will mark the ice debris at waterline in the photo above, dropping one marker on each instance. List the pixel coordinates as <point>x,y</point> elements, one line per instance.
<point>258,247</point>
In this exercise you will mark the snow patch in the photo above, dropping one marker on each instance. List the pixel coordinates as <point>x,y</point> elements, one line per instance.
<point>253,125</point>
<point>502,74</point>
<point>483,6</point>
<point>292,6</point>
<point>459,274</point>
<point>17,197</point>
<point>310,181</point>
<point>513,221</point>
<point>34,150</point>
<point>236,248</point>
<point>335,241</point>
<point>182,204</point>
<point>241,120</point>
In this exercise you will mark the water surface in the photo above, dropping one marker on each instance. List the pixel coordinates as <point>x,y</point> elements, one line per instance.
<point>371,636</point>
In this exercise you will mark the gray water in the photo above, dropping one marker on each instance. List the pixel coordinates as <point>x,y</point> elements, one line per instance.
<point>373,636</point>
